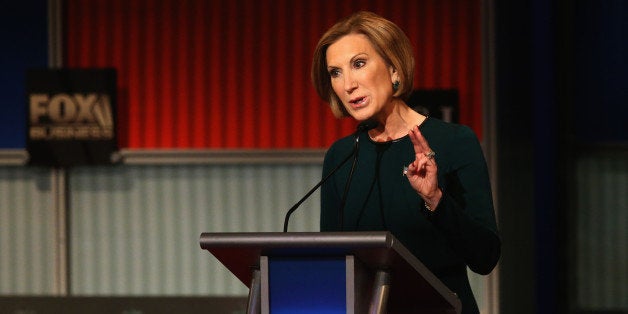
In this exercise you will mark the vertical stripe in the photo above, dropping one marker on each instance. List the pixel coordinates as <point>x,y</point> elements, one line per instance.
<point>83,41</point>
<point>283,83</point>
<point>100,17</point>
<point>600,273</point>
<point>296,71</point>
<point>235,74</point>
<point>181,106</point>
<point>311,101</point>
<point>430,44</point>
<point>27,232</point>
<point>198,101</point>
<point>217,83</point>
<point>465,78</point>
<point>119,29</point>
<point>135,119</point>
<point>231,71</point>
<point>249,74</point>
<point>475,64</point>
<point>165,30</point>
<point>267,76</point>
<point>446,33</point>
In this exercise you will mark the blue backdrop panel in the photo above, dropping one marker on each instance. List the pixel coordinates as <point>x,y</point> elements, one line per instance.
<point>24,37</point>
<point>303,286</point>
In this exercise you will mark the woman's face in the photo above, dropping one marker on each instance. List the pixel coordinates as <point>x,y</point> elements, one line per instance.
<point>359,76</point>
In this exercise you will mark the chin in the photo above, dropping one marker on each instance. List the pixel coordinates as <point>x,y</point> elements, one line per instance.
<point>361,115</point>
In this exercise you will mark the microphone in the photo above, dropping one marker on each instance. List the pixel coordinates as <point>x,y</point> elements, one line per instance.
<point>362,127</point>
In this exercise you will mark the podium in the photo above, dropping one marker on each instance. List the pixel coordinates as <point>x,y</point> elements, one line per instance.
<point>330,272</point>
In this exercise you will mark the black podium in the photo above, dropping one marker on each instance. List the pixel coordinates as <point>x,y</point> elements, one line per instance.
<point>330,272</point>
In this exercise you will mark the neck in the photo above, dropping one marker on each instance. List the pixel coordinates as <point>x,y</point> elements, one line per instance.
<point>395,122</point>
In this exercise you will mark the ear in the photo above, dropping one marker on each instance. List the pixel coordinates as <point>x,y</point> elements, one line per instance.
<point>394,75</point>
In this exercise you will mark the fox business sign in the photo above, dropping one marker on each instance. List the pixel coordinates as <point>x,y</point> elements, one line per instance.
<point>71,116</point>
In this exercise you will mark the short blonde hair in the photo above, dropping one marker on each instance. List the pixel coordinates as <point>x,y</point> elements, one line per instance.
<point>387,39</point>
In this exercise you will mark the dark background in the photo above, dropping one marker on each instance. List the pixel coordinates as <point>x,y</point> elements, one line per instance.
<point>562,80</point>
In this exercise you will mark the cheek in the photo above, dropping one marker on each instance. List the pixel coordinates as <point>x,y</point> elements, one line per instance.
<point>384,85</point>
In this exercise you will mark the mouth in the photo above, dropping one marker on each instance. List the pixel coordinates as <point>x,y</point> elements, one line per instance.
<point>358,102</point>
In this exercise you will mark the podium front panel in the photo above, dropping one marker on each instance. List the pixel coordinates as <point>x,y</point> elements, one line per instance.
<point>306,285</point>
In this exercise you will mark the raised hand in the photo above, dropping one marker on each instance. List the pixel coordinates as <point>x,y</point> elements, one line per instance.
<point>422,172</point>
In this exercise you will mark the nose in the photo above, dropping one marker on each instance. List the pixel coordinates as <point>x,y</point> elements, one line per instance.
<point>350,83</point>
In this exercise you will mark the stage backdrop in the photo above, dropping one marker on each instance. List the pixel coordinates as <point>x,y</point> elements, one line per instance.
<point>235,74</point>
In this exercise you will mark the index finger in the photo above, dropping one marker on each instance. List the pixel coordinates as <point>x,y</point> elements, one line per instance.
<point>421,146</point>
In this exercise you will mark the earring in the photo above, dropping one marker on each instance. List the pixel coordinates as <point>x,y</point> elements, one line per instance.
<point>395,86</point>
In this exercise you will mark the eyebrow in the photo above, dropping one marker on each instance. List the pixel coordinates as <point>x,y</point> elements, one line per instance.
<point>356,56</point>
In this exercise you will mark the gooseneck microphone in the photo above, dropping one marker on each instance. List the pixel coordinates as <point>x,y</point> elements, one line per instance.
<point>362,127</point>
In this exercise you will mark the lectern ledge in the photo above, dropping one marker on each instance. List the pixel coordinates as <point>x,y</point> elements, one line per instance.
<point>330,272</point>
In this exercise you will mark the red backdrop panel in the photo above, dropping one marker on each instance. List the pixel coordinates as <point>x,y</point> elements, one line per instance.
<point>235,74</point>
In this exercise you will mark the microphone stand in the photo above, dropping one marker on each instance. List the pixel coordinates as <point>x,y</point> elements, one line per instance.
<point>295,206</point>
<point>341,215</point>
<point>362,127</point>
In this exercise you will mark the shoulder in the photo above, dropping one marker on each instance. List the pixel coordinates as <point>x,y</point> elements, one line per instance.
<point>456,145</point>
<point>340,147</point>
<point>446,133</point>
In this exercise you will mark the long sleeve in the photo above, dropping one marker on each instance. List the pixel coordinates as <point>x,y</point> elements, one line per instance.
<point>465,214</point>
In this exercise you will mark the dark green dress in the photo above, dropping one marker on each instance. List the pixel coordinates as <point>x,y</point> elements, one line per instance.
<point>461,231</point>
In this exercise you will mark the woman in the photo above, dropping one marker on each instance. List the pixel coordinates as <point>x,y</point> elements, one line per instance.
<point>422,179</point>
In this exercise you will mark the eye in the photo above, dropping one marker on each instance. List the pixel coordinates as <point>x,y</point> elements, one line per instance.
<point>359,63</point>
<point>334,72</point>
